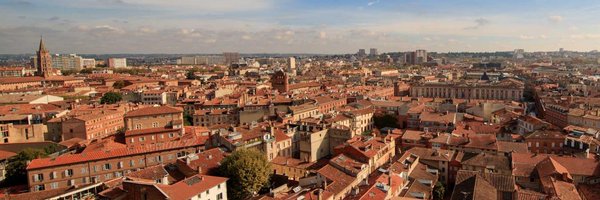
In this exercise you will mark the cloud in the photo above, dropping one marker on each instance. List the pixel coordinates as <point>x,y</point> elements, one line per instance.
<point>372,2</point>
<point>585,36</point>
<point>555,18</point>
<point>478,24</point>
<point>55,18</point>
<point>526,37</point>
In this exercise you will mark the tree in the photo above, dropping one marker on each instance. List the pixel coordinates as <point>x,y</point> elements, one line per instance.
<point>86,71</point>
<point>248,171</point>
<point>187,119</point>
<point>68,72</point>
<point>190,75</point>
<point>119,84</point>
<point>438,191</point>
<point>16,169</point>
<point>111,98</point>
<point>386,120</point>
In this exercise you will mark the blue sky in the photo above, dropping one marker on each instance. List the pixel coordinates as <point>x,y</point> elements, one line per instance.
<point>297,26</point>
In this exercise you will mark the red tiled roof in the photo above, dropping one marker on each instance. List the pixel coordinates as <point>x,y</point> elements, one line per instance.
<point>101,155</point>
<point>153,111</point>
<point>190,187</point>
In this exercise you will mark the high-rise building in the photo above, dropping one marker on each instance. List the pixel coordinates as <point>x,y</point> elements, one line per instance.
<point>43,61</point>
<point>202,60</point>
<point>231,57</point>
<point>117,62</point>
<point>291,64</point>
<point>519,54</point>
<point>361,53</point>
<point>88,63</point>
<point>373,52</point>
<point>67,62</point>
<point>415,58</point>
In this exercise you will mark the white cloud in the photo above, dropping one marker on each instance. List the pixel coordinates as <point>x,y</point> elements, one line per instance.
<point>373,2</point>
<point>526,37</point>
<point>555,18</point>
<point>586,36</point>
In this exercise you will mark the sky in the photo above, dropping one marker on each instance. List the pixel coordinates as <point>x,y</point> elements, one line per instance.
<point>297,26</point>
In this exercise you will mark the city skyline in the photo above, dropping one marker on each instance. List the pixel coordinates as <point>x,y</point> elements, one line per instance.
<point>264,26</point>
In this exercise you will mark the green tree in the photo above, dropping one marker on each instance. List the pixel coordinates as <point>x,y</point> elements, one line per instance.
<point>248,171</point>
<point>187,119</point>
<point>119,84</point>
<point>111,98</point>
<point>191,74</point>
<point>68,72</point>
<point>16,169</point>
<point>438,191</point>
<point>86,71</point>
<point>386,120</point>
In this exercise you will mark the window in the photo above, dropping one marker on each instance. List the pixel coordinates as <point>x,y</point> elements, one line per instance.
<point>38,177</point>
<point>71,182</point>
<point>106,166</point>
<point>96,168</point>
<point>53,175</point>
<point>138,126</point>
<point>158,159</point>
<point>83,170</point>
<point>142,139</point>
<point>154,124</point>
<point>132,163</point>
<point>171,135</point>
<point>120,164</point>
<point>107,176</point>
<point>68,172</point>
<point>220,196</point>
<point>207,191</point>
<point>53,185</point>
<point>39,188</point>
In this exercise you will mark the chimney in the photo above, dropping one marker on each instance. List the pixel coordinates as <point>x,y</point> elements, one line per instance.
<point>320,194</point>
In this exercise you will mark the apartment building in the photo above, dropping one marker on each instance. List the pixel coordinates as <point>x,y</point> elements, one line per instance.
<point>212,117</point>
<point>153,125</point>
<point>98,124</point>
<point>98,166</point>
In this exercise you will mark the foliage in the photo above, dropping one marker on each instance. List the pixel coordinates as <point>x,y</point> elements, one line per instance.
<point>187,119</point>
<point>119,84</point>
<point>438,191</point>
<point>190,75</point>
<point>386,120</point>
<point>132,71</point>
<point>68,72</point>
<point>16,169</point>
<point>86,71</point>
<point>248,171</point>
<point>111,98</point>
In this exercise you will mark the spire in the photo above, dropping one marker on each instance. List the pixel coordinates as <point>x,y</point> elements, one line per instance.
<point>42,46</point>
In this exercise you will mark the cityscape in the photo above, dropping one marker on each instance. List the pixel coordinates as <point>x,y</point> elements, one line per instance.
<point>299,100</point>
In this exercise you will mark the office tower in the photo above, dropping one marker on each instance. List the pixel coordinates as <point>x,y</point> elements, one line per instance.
<point>519,54</point>
<point>117,62</point>
<point>291,64</point>
<point>67,62</point>
<point>88,63</point>
<point>373,52</point>
<point>231,57</point>
<point>361,53</point>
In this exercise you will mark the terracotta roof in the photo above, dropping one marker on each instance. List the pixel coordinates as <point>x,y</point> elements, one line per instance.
<point>101,155</point>
<point>190,187</point>
<point>502,182</point>
<point>160,110</point>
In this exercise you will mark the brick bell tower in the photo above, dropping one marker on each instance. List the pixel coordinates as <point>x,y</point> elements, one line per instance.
<point>44,61</point>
